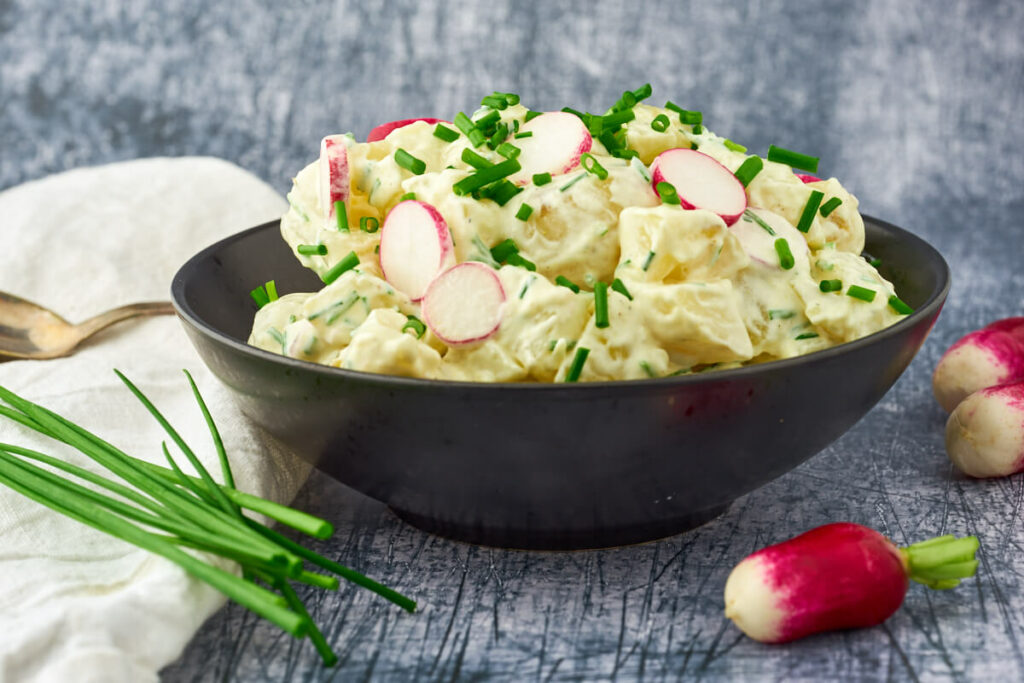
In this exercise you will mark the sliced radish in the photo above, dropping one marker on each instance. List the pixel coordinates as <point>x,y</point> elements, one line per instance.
<point>807,178</point>
<point>464,304</point>
<point>381,131</point>
<point>759,243</point>
<point>415,245</point>
<point>701,182</point>
<point>558,139</point>
<point>333,173</point>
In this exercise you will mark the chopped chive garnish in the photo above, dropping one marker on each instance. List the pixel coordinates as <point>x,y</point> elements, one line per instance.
<point>486,176</point>
<point>785,255</point>
<point>416,325</point>
<point>625,153</point>
<point>810,208</point>
<point>531,115</point>
<point>592,165</point>
<point>366,224</point>
<point>627,101</point>
<point>668,194</point>
<point>572,182</point>
<point>749,215</point>
<point>502,250</point>
<point>794,159</point>
<point>341,214</point>
<point>541,179</point>
<point>874,262</point>
<point>510,97</point>
<point>526,286</point>
<point>734,146</point>
<point>259,296</point>
<point>520,136</point>
<point>781,314</point>
<point>830,206</point>
<point>271,288</point>
<point>643,92</point>
<point>517,260</point>
<point>276,335</point>
<point>647,261</point>
<point>348,263</point>
<point>489,119</point>
<point>515,127</point>
<point>575,112</point>
<point>697,129</point>
<point>501,192</point>
<point>495,101</point>
<point>315,249</point>
<point>409,162</point>
<point>748,170</point>
<point>830,285</point>
<point>500,133</point>
<point>899,306</point>
<point>445,133</point>
<point>469,129</point>
<point>616,119</point>
<point>862,293</point>
<point>566,282</point>
<point>600,304</point>
<point>620,287</point>
<point>508,150</point>
<point>806,335</point>
<point>408,196</point>
<point>475,160</point>
<point>660,123</point>
<point>524,211</point>
<point>685,116</point>
<point>576,367</point>
<point>646,367</point>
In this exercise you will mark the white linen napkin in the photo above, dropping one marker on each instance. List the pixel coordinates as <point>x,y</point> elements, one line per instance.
<point>75,604</point>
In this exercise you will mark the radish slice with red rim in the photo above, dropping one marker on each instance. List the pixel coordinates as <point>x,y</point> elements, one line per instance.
<point>415,245</point>
<point>334,174</point>
<point>464,304</point>
<point>557,141</point>
<point>381,131</point>
<point>701,182</point>
<point>807,178</point>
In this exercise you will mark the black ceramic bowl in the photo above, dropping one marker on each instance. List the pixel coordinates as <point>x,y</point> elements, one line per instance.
<point>549,465</point>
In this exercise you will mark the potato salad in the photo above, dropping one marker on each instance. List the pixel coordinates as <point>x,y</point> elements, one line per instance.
<point>522,246</point>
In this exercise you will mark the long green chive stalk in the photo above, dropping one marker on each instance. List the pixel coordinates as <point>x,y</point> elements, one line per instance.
<point>165,511</point>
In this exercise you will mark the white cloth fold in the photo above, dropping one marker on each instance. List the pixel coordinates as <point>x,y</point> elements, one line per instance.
<point>76,604</point>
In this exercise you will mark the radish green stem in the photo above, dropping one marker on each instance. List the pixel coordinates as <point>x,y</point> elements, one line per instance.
<point>941,562</point>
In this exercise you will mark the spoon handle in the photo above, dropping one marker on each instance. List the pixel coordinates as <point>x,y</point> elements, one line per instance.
<point>93,325</point>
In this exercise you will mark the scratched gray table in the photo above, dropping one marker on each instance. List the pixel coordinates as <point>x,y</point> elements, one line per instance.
<point>915,106</point>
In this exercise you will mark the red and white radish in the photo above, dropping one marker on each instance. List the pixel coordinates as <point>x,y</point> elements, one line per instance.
<point>415,245</point>
<point>759,243</point>
<point>381,131</point>
<point>984,358</point>
<point>556,142</point>
<point>464,304</point>
<point>985,432</point>
<point>837,576</point>
<point>807,178</point>
<point>334,173</point>
<point>701,182</point>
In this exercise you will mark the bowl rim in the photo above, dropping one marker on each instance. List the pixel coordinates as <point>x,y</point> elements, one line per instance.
<point>926,310</point>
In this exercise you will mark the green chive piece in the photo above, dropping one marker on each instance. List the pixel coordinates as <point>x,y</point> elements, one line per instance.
<point>685,116</point>
<point>486,176</point>
<point>874,262</point>
<point>271,288</point>
<point>785,255</point>
<point>734,146</point>
<point>541,179</point>
<point>276,335</point>
<point>794,159</point>
<point>647,261</point>
<point>781,314</point>
<point>646,367</point>
<point>810,208</point>
<point>408,196</point>
<point>495,101</point>
<point>592,165</point>
<point>510,97</point>
<point>660,123</point>
<point>830,206</point>
<point>600,304</point>
<point>668,194</point>
<point>531,115</point>
<point>576,367</point>
<point>501,192</point>
<point>643,92</point>
<point>697,129</point>
<point>520,136</point>
<point>566,282</point>
<point>749,215</point>
<point>487,121</point>
<point>806,335</point>
<point>572,182</point>
<point>862,293</point>
<point>445,133</point>
<point>502,250</point>
<point>500,133</point>
<point>469,129</point>
<point>830,285</point>
<point>518,260</point>
<point>508,150</point>
<point>259,296</point>
<point>748,170</point>
<point>348,263</point>
<point>341,214</point>
<point>524,211</point>
<point>409,162</point>
<point>416,325</point>
<point>899,306</point>
<point>315,249</point>
<point>475,160</point>
<point>366,224</point>
<point>620,287</point>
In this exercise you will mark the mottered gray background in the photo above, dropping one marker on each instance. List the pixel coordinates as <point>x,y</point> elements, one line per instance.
<point>915,105</point>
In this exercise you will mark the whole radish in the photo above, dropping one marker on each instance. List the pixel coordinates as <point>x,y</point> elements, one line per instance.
<point>985,432</point>
<point>983,358</point>
<point>837,576</point>
<point>381,131</point>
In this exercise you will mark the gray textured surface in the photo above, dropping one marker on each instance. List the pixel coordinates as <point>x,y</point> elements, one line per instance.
<point>916,106</point>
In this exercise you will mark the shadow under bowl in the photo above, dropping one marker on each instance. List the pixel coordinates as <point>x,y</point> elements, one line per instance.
<point>553,466</point>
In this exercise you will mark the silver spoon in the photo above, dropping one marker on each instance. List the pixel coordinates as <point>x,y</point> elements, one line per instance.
<point>28,330</point>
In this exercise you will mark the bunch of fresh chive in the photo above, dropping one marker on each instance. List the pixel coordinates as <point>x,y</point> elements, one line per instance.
<point>166,511</point>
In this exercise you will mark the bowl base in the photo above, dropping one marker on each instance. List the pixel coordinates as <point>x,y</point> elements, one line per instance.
<point>516,539</point>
